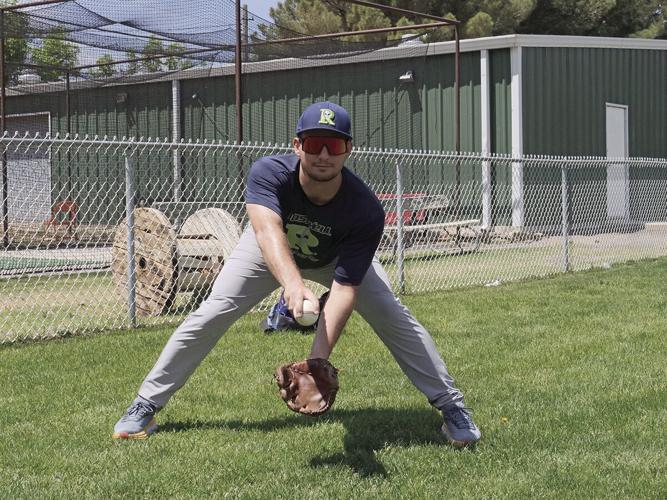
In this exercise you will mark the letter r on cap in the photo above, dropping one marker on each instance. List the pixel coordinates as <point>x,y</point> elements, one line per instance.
<point>327,117</point>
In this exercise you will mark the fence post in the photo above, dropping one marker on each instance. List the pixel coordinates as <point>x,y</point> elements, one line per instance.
<point>565,221</point>
<point>400,246</point>
<point>3,127</point>
<point>5,196</point>
<point>131,271</point>
<point>175,138</point>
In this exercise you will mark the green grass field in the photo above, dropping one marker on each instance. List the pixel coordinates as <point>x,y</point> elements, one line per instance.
<point>566,377</point>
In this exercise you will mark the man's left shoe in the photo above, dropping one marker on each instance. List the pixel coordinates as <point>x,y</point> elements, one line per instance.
<point>138,422</point>
<point>458,427</point>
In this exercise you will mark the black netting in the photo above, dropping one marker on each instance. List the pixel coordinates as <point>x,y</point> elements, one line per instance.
<point>195,30</point>
<point>101,67</point>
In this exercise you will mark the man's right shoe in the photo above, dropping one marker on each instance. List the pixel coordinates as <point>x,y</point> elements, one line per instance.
<point>458,427</point>
<point>138,421</point>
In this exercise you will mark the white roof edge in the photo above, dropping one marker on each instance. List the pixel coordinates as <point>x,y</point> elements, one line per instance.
<point>468,45</point>
<point>591,42</point>
<point>555,41</point>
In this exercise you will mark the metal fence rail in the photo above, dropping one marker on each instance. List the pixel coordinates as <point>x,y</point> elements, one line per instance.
<point>102,233</point>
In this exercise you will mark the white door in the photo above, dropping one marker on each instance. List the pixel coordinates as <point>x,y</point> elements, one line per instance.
<point>618,175</point>
<point>29,170</point>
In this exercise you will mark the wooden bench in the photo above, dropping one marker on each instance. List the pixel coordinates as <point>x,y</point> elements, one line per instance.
<point>462,243</point>
<point>436,225</point>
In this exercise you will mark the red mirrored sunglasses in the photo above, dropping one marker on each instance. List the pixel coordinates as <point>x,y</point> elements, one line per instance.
<point>313,145</point>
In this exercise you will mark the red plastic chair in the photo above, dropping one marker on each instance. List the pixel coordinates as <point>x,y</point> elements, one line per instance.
<point>64,213</point>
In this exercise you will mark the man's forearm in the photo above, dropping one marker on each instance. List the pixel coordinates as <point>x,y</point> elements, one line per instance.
<point>337,311</point>
<point>279,258</point>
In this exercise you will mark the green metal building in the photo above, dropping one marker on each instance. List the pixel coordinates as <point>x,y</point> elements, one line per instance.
<point>520,95</point>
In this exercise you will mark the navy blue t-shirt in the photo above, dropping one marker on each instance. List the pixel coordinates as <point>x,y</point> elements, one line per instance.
<point>348,227</point>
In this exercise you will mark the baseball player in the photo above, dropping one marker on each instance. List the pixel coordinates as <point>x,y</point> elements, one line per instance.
<point>311,218</point>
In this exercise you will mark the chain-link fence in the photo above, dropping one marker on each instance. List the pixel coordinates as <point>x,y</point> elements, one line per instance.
<point>102,234</point>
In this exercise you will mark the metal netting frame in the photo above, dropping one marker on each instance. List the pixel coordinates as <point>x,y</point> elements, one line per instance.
<point>239,51</point>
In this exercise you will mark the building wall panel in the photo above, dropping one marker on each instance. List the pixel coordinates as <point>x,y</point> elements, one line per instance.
<point>565,91</point>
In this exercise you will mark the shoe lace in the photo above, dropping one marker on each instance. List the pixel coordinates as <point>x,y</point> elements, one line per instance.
<point>140,409</point>
<point>460,417</point>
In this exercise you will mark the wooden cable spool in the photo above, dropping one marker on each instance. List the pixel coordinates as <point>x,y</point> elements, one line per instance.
<point>154,260</point>
<point>205,240</point>
<point>167,263</point>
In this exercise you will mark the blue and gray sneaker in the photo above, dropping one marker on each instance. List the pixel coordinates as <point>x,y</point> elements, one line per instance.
<point>458,427</point>
<point>138,421</point>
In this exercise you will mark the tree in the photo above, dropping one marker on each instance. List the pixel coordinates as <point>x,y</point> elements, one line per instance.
<point>55,55</point>
<point>105,71</point>
<point>479,18</point>
<point>16,44</point>
<point>154,47</point>
<point>433,7</point>
<point>173,60</point>
<point>440,34</point>
<point>363,18</point>
<point>301,17</point>
<point>657,29</point>
<point>133,64</point>
<point>479,25</point>
<point>294,18</point>
<point>620,18</point>
<point>636,19</point>
<point>176,60</point>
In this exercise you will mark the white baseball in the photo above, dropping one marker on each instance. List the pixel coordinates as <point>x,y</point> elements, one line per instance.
<point>309,316</point>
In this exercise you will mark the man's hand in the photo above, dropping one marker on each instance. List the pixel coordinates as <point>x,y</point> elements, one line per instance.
<point>295,294</point>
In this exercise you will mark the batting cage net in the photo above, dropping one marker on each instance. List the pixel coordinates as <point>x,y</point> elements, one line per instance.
<point>106,68</point>
<point>106,234</point>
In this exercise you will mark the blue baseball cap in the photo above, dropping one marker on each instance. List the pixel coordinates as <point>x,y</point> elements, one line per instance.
<point>325,116</point>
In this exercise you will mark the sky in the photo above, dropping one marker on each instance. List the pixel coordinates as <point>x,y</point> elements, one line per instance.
<point>260,7</point>
<point>136,8</point>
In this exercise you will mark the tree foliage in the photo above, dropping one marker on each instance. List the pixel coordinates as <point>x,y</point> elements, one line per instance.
<point>363,18</point>
<point>132,67</point>
<point>16,47</point>
<point>153,48</point>
<point>619,18</point>
<point>54,56</point>
<point>172,61</point>
<point>176,60</point>
<point>104,71</point>
<point>301,17</point>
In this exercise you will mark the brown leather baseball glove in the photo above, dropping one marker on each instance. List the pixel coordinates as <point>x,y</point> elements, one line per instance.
<point>309,386</point>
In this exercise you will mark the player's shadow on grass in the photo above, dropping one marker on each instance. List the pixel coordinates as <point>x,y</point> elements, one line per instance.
<point>367,431</point>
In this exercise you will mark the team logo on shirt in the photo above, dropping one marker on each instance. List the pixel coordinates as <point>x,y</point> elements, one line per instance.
<point>302,241</point>
<point>301,235</point>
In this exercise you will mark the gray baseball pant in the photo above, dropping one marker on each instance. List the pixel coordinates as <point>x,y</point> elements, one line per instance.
<point>245,280</point>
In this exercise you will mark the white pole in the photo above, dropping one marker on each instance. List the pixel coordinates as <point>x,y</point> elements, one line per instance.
<point>131,271</point>
<point>176,136</point>
<point>517,139</point>
<point>400,246</point>
<point>486,138</point>
<point>565,219</point>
